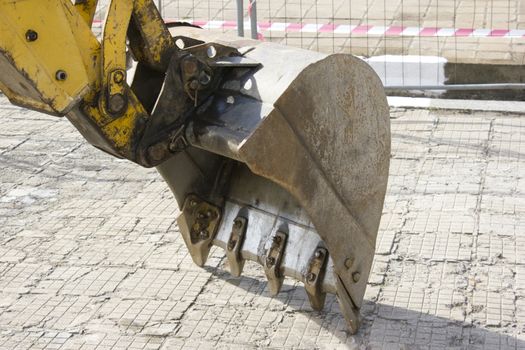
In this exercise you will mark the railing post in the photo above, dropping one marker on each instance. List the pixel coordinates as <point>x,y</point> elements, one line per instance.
<point>240,18</point>
<point>253,19</point>
<point>159,6</point>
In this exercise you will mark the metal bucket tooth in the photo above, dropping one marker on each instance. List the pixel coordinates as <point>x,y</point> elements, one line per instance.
<point>314,278</point>
<point>233,248</point>
<point>198,225</point>
<point>309,139</point>
<point>273,260</point>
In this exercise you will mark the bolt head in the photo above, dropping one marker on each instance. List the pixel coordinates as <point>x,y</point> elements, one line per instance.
<point>155,152</point>
<point>277,239</point>
<point>231,244</point>
<point>194,84</point>
<point>349,262</point>
<point>117,103</point>
<point>204,234</point>
<point>204,78</point>
<point>319,254</point>
<point>193,203</point>
<point>237,223</point>
<point>356,276</point>
<point>270,261</point>
<point>311,277</point>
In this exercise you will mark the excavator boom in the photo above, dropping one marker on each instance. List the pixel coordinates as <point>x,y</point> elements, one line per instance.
<point>275,154</point>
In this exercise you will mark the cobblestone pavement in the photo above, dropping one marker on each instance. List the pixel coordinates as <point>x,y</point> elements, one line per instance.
<point>476,14</point>
<point>91,257</point>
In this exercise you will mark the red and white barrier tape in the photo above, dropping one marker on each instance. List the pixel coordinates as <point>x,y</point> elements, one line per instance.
<point>367,30</point>
<point>345,29</point>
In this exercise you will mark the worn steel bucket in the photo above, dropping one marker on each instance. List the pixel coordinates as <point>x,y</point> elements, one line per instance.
<point>287,165</point>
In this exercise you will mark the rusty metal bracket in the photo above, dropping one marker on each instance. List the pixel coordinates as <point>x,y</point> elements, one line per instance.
<point>233,251</point>
<point>314,277</point>
<point>272,263</point>
<point>198,226</point>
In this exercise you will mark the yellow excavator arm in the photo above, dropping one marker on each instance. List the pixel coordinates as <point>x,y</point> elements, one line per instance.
<point>277,155</point>
<point>51,61</point>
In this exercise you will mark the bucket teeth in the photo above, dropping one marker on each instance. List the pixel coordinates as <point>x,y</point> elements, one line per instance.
<point>314,277</point>
<point>272,262</point>
<point>294,249</point>
<point>348,308</point>
<point>233,248</point>
<point>198,227</point>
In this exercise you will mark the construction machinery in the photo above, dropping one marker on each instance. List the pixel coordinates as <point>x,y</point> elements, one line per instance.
<point>275,154</point>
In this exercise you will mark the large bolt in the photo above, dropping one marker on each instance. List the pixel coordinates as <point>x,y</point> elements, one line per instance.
<point>31,35</point>
<point>231,244</point>
<point>194,84</point>
<point>204,78</point>
<point>349,262</point>
<point>270,261</point>
<point>277,239</point>
<point>156,152</point>
<point>310,277</point>
<point>117,103</point>
<point>204,235</point>
<point>237,223</point>
<point>356,276</point>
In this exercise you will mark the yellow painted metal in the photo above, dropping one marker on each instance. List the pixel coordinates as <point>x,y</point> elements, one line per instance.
<point>64,43</point>
<point>114,47</point>
<point>87,9</point>
<point>121,131</point>
<point>61,66</point>
<point>119,126</point>
<point>156,39</point>
<point>114,37</point>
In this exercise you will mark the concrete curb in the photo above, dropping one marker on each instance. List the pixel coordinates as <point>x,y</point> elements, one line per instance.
<point>467,105</point>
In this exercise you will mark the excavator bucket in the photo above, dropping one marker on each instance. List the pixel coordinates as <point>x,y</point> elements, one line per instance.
<point>286,165</point>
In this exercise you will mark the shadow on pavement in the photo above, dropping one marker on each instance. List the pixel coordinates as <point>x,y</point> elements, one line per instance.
<point>383,326</point>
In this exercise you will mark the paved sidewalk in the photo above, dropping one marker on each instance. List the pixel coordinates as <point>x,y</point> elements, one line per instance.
<point>91,257</point>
